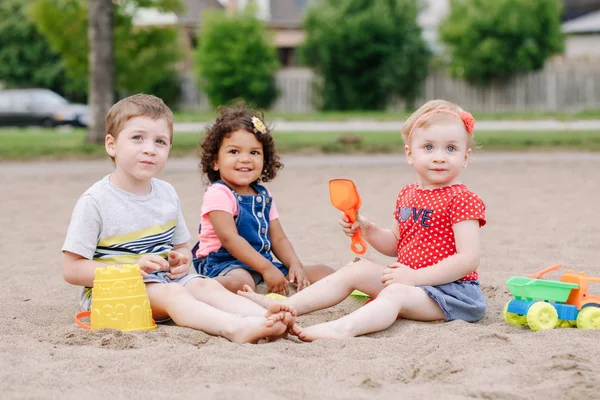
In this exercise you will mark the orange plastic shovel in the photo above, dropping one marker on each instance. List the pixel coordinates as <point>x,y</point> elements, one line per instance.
<point>345,198</point>
<point>539,274</point>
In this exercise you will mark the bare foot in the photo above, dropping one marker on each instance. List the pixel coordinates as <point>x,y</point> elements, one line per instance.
<point>277,308</point>
<point>295,330</point>
<point>289,320</point>
<point>274,307</point>
<point>326,330</point>
<point>259,299</point>
<point>289,317</point>
<point>252,329</point>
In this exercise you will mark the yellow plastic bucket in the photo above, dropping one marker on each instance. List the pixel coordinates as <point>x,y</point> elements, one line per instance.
<point>119,301</point>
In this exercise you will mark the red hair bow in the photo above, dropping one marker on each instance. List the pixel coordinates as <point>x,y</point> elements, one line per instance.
<point>468,120</point>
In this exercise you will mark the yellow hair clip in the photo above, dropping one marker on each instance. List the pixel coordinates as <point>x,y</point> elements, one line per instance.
<point>258,125</point>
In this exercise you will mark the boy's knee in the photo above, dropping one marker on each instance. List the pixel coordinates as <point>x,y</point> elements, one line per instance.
<point>203,285</point>
<point>164,291</point>
<point>174,288</point>
<point>209,284</point>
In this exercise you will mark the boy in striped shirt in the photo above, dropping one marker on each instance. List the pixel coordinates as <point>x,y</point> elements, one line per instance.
<point>130,217</point>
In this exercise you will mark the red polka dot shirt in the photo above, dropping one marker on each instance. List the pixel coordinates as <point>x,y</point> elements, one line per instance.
<point>425,219</point>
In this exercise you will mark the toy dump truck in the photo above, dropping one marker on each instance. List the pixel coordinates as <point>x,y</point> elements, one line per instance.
<point>544,304</point>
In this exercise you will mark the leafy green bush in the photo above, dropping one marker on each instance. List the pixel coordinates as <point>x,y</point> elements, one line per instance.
<point>145,57</point>
<point>366,52</point>
<point>235,59</point>
<point>495,40</point>
<point>26,59</point>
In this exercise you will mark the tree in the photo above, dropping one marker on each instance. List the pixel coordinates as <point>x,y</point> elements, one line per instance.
<point>145,58</point>
<point>235,59</point>
<point>101,66</point>
<point>26,59</point>
<point>490,41</point>
<point>365,52</point>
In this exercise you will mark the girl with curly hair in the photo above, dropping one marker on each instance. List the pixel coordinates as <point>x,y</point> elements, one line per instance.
<point>240,226</point>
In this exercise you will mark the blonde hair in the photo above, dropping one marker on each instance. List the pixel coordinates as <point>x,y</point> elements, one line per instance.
<point>430,108</point>
<point>138,105</point>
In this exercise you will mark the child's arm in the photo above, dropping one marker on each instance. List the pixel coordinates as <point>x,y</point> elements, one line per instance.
<point>239,247</point>
<point>450,269</point>
<point>78,270</point>
<point>384,241</point>
<point>284,251</point>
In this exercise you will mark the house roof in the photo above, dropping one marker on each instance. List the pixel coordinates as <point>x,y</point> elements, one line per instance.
<point>195,8</point>
<point>153,17</point>
<point>576,8</point>
<point>282,13</point>
<point>287,12</point>
<point>589,23</point>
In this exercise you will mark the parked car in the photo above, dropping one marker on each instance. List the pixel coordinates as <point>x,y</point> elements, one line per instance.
<point>42,107</point>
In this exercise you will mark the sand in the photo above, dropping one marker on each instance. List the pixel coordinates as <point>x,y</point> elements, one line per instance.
<point>542,210</point>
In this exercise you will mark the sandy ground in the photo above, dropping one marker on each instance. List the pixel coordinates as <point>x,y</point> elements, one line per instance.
<point>542,210</point>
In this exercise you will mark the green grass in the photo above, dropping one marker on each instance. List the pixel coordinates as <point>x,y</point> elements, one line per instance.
<point>386,142</point>
<point>29,144</point>
<point>23,144</point>
<point>208,116</point>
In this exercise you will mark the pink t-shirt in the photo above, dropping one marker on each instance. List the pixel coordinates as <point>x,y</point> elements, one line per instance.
<point>219,198</point>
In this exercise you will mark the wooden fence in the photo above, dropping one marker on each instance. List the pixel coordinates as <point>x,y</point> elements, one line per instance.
<point>561,86</point>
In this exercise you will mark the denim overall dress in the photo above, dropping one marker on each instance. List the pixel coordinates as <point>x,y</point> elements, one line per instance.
<point>252,224</point>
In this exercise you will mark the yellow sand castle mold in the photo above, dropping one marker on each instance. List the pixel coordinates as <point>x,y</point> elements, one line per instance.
<point>119,300</point>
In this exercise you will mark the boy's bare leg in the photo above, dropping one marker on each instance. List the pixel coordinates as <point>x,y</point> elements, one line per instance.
<point>406,301</point>
<point>211,292</point>
<point>235,280</point>
<point>259,299</point>
<point>364,275</point>
<point>174,301</point>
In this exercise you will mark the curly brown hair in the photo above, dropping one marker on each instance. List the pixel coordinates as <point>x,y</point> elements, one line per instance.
<point>230,118</point>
